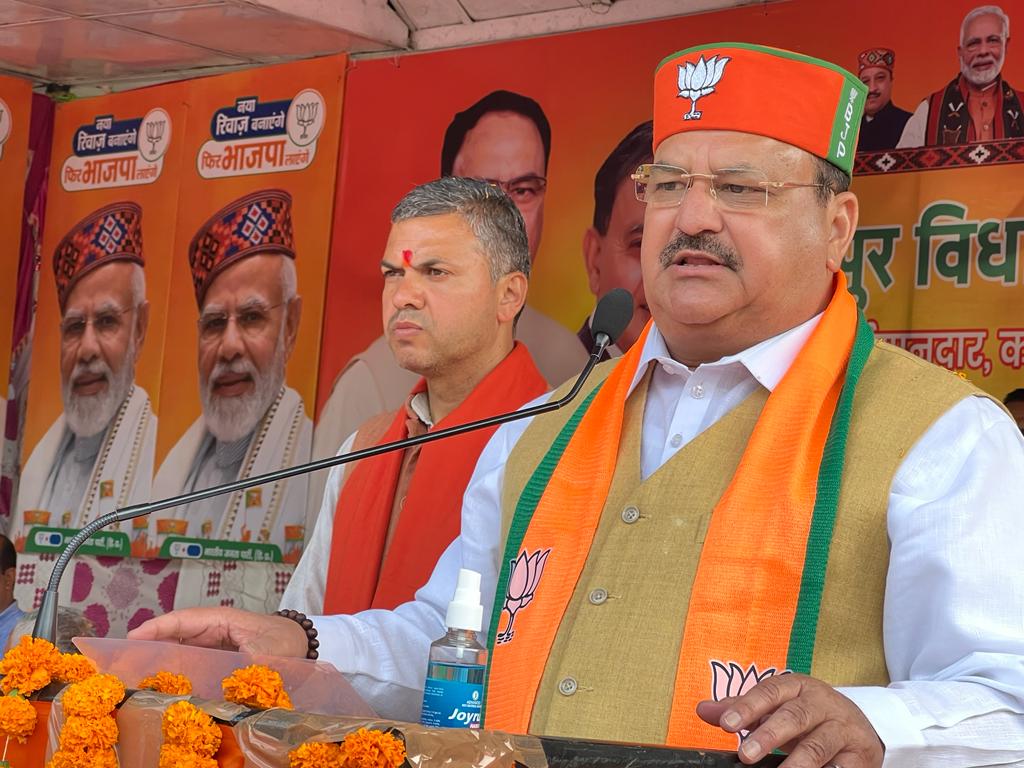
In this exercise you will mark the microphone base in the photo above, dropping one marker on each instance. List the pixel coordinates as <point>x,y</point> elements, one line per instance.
<point>46,619</point>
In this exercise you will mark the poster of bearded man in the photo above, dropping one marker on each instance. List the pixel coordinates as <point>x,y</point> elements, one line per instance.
<point>98,453</point>
<point>243,269</point>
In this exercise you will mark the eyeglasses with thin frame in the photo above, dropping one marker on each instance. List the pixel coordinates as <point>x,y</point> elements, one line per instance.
<point>738,189</point>
<point>106,324</point>
<point>523,190</point>
<point>251,321</point>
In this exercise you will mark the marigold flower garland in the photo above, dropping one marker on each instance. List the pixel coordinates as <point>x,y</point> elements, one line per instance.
<point>167,682</point>
<point>256,686</point>
<point>362,749</point>
<point>89,732</point>
<point>191,738</point>
<point>29,666</point>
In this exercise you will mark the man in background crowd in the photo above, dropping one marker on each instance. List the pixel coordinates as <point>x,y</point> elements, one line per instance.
<point>456,267</point>
<point>10,613</point>
<point>504,139</point>
<point>1014,403</point>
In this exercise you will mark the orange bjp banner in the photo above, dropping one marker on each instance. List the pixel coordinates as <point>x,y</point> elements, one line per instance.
<point>15,110</point>
<point>102,307</point>
<point>249,264</point>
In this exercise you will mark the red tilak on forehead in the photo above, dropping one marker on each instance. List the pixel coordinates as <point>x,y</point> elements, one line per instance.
<point>407,257</point>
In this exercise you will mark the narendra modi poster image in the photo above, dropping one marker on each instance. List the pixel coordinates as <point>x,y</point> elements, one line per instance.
<point>250,262</point>
<point>90,432</point>
<point>102,309</point>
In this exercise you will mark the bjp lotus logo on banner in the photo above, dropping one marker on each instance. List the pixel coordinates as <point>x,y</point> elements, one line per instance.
<point>259,137</point>
<point>523,577</point>
<point>730,679</point>
<point>117,152</point>
<point>700,79</point>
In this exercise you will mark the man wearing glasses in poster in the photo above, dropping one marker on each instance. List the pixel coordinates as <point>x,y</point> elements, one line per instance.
<point>98,454</point>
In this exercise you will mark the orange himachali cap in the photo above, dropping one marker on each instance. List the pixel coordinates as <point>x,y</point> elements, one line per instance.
<point>803,101</point>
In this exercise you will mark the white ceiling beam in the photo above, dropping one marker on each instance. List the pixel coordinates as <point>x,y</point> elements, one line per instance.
<point>370,19</point>
<point>597,14</point>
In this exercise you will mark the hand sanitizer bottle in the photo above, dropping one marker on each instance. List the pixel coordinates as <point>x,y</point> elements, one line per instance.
<point>454,689</point>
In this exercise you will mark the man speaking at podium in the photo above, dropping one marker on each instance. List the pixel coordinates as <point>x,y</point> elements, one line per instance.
<point>765,530</point>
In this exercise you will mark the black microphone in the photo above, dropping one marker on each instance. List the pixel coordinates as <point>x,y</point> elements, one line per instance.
<point>612,315</point>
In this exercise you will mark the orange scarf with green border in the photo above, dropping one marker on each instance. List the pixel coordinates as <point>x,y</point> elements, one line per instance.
<point>756,595</point>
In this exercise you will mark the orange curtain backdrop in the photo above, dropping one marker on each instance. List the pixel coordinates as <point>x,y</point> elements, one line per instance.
<point>206,187</point>
<point>15,119</point>
<point>594,87</point>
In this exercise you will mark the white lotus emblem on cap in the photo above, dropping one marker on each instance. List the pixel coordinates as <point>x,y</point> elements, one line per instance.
<point>696,80</point>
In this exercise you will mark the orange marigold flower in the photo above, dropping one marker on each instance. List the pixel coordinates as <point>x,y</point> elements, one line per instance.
<point>17,717</point>
<point>315,754</point>
<point>256,686</point>
<point>94,758</point>
<point>94,697</point>
<point>74,668</point>
<point>372,749</point>
<point>187,726</point>
<point>80,733</point>
<point>167,682</point>
<point>29,666</point>
<point>175,756</point>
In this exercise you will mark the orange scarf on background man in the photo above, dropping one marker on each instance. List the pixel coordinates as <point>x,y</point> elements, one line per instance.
<point>360,575</point>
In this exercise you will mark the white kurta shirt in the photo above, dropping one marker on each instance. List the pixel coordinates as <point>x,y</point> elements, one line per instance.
<point>954,602</point>
<point>308,584</point>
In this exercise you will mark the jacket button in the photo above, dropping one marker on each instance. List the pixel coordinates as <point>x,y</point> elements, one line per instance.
<point>630,514</point>
<point>567,686</point>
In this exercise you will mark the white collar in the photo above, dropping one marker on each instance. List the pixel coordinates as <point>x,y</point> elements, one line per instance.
<point>767,361</point>
<point>420,405</point>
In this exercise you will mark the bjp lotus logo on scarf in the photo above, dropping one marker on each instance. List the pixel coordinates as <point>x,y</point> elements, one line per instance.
<point>700,79</point>
<point>731,679</point>
<point>523,577</point>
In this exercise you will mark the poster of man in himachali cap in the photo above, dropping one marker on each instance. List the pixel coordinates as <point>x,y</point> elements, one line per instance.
<point>242,262</point>
<point>98,454</point>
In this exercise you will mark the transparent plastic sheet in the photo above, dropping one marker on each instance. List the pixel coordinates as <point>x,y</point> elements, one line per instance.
<point>53,726</point>
<point>267,737</point>
<point>140,717</point>
<point>139,720</point>
<point>314,686</point>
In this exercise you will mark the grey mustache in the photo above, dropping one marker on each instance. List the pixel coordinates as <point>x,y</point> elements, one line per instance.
<point>702,242</point>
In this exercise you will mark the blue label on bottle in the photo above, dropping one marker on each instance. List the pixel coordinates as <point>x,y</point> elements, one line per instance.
<point>453,703</point>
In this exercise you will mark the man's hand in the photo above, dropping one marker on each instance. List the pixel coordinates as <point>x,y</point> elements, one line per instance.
<point>227,628</point>
<point>806,718</point>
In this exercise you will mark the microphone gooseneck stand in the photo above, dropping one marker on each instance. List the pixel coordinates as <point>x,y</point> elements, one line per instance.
<point>611,317</point>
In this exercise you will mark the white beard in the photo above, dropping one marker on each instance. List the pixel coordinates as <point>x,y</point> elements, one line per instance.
<point>232,418</point>
<point>88,415</point>
<point>982,77</point>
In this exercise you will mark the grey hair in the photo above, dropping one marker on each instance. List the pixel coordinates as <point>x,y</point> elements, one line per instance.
<point>490,213</point>
<point>138,285</point>
<point>289,280</point>
<point>70,623</point>
<point>832,179</point>
<point>985,10</point>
